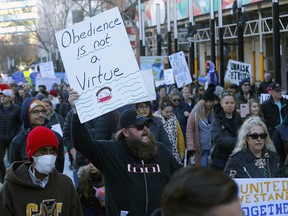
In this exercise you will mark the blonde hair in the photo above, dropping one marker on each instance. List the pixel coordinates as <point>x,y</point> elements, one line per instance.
<point>200,110</point>
<point>245,129</point>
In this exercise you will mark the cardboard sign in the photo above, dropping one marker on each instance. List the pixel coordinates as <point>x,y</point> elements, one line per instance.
<point>100,64</point>
<point>264,97</point>
<point>168,78</point>
<point>180,69</point>
<point>47,69</point>
<point>47,81</point>
<point>262,196</point>
<point>156,63</point>
<point>237,71</point>
<point>244,110</point>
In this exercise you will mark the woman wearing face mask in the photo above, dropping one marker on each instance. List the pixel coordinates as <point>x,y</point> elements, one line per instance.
<point>35,186</point>
<point>254,155</point>
<point>172,128</point>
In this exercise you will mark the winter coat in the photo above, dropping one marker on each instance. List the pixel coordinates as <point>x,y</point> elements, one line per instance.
<point>10,122</point>
<point>271,113</point>
<point>280,139</point>
<point>224,138</point>
<point>244,164</point>
<point>21,197</point>
<point>102,127</point>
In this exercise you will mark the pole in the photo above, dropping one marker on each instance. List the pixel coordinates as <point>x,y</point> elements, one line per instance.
<point>276,41</point>
<point>191,48</point>
<point>140,27</point>
<point>240,31</point>
<point>168,27</point>
<point>143,32</point>
<point>175,28</point>
<point>212,32</point>
<point>158,27</point>
<point>221,43</point>
<point>261,53</point>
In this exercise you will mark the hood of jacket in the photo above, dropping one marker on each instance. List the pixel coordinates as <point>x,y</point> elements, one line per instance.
<point>18,174</point>
<point>25,113</point>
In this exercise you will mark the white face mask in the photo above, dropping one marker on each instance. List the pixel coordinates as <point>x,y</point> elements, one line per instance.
<point>45,164</point>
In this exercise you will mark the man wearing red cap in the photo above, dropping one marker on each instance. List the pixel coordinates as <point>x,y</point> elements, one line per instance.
<point>36,187</point>
<point>33,115</point>
<point>10,123</point>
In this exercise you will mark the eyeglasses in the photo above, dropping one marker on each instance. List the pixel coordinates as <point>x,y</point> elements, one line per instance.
<point>256,136</point>
<point>176,100</point>
<point>37,112</point>
<point>139,127</point>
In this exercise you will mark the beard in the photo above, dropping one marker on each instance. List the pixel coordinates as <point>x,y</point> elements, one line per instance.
<point>142,150</point>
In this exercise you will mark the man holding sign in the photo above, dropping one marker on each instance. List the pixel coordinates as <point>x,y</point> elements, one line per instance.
<point>135,167</point>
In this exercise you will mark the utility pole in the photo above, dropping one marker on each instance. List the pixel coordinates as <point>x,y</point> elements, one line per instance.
<point>240,25</point>
<point>212,32</point>
<point>276,41</point>
<point>221,43</point>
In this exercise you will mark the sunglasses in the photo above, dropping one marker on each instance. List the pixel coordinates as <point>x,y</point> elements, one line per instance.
<point>37,112</point>
<point>256,136</point>
<point>139,127</point>
<point>176,100</point>
<point>227,93</point>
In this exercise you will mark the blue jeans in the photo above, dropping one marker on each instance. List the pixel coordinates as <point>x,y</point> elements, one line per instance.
<point>204,158</point>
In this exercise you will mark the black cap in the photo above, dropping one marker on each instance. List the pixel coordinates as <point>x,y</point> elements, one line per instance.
<point>130,117</point>
<point>209,94</point>
<point>275,86</point>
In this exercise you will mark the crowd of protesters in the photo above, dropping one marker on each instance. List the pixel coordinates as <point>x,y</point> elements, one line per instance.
<point>122,160</point>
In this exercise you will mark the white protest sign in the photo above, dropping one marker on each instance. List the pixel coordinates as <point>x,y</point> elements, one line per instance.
<point>180,69</point>
<point>148,79</point>
<point>264,97</point>
<point>57,128</point>
<point>237,71</point>
<point>100,64</point>
<point>168,78</point>
<point>47,69</point>
<point>47,81</point>
<point>263,196</point>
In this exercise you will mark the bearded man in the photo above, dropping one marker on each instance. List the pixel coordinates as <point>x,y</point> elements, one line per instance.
<point>135,167</point>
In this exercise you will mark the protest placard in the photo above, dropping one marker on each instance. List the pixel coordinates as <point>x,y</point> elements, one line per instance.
<point>18,77</point>
<point>264,97</point>
<point>180,68</point>
<point>147,76</point>
<point>263,196</point>
<point>46,69</point>
<point>168,78</point>
<point>100,64</point>
<point>237,71</point>
<point>47,81</point>
<point>156,63</point>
